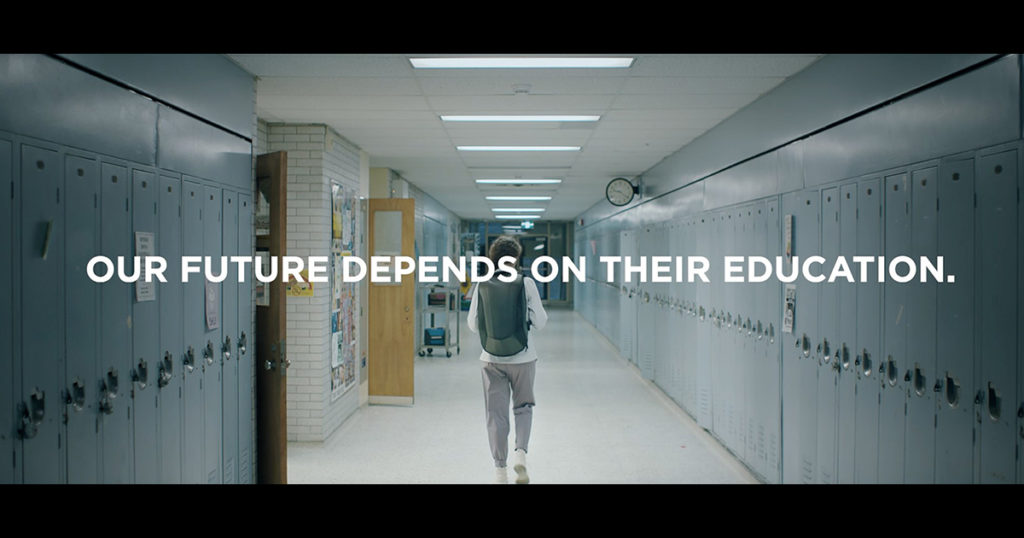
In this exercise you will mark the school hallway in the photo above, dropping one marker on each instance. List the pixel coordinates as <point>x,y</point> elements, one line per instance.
<point>596,421</point>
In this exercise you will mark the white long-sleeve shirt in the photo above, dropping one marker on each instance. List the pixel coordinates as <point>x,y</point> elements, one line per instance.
<point>537,316</point>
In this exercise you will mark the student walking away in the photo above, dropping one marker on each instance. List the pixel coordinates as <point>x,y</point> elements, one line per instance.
<point>505,315</point>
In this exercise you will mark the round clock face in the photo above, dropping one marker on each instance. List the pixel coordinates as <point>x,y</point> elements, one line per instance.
<point>619,191</point>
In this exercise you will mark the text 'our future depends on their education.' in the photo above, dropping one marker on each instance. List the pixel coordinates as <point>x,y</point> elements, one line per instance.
<point>432,269</point>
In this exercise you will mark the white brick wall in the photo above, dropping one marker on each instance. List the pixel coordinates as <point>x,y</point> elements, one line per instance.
<point>316,157</point>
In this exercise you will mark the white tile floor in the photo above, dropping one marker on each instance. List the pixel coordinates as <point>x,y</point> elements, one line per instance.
<point>596,421</point>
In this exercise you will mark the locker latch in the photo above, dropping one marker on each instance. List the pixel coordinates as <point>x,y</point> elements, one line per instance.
<point>208,352</point>
<point>995,403</point>
<point>166,370</point>
<point>140,374</point>
<point>241,343</point>
<point>76,396</point>
<point>190,359</point>
<point>32,414</point>
<point>108,388</point>
<point>226,348</point>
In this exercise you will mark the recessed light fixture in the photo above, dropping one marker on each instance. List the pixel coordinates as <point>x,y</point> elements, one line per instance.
<point>521,118</point>
<point>532,198</point>
<point>520,63</point>
<point>518,181</point>
<point>517,216</point>
<point>516,209</point>
<point>518,148</point>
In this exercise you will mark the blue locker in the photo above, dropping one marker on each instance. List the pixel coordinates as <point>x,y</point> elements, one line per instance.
<point>919,460</point>
<point>245,344</point>
<point>169,372</point>
<point>145,337</point>
<point>869,313</point>
<point>893,400</point>
<point>996,316</point>
<point>229,325</point>
<point>847,338</point>
<point>7,387</point>
<point>193,405</point>
<point>40,413</point>
<point>954,345</point>
<point>827,343</point>
<point>82,219</point>
<point>213,353</point>
<point>115,329</point>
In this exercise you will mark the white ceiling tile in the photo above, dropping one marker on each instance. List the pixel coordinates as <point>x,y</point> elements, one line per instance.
<point>717,85</point>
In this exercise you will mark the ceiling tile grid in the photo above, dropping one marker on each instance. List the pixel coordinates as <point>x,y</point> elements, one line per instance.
<point>392,111</point>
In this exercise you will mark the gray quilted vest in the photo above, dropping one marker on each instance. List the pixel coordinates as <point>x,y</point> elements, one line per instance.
<point>502,318</point>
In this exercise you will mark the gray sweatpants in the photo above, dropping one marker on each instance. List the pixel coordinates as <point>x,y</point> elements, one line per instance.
<point>499,381</point>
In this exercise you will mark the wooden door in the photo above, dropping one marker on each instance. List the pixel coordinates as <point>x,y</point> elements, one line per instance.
<point>392,306</point>
<point>271,326</point>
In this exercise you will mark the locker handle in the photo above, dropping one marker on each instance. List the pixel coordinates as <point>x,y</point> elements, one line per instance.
<point>843,354</point>
<point>46,238</point>
<point>208,352</point>
<point>920,381</point>
<point>241,344</point>
<point>995,403</point>
<point>979,397</point>
<point>268,365</point>
<point>190,359</point>
<point>166,369</point>
<point>110,385</point>
<point>140,374</point>
<point>32,414</point>
<point>76,396</point>
<point>226,348</point>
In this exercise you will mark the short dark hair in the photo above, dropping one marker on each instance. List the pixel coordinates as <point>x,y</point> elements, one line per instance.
<point>505,245</point>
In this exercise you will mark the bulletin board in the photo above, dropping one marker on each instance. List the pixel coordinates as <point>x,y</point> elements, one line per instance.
<point>344,334</point>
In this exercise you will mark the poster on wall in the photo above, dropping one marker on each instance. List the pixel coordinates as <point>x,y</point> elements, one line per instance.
<point>344,335</point>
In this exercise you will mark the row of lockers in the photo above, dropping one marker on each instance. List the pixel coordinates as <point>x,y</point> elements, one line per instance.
<point>877,382</point>
<point>114,383</point>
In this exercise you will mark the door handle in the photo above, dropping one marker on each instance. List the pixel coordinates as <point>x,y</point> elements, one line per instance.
<point>226,348</point>
<point>268,365</point>
<point>166,369</point>
<point>108,388</point>
<point>208,352</point>
<point>241,343</point>
<point>32,414</point>
<point>140,374</point>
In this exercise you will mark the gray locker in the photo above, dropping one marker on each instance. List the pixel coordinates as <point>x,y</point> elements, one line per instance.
<point>115,329</point>
<point>193,406</point>
<point>996,315</point>
<point>718,312</point>
<point>169,372</point>
<point>954,345</point>
<point>827,343</point>
<point>245,344</point>
<point>229,325</point>
<point>893,400</point>
<point>82,219</point>
<point>867,360</point>
<point>213,353</point>
<point>799,358</point>
<point>145,337</point>
<point>8,390</point>
<point>39,412</point>
<point>847,338</point>
<point>1020,334</point>
<point>772,408</point>
<point>645,314</point>
<point>705,328</point>
<point>920,366</point>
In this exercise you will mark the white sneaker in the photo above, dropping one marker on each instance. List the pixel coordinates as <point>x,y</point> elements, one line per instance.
<point>501,475</point>
<point>519,456</point>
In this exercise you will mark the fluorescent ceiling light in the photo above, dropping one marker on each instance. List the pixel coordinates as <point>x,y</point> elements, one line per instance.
<point>518,197</point>
<point>519,63</point>
<point>521,118</point>
<point>517,216</point>
<point>518,148</point>
<point>516,209</point>
<point>518,181</point>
